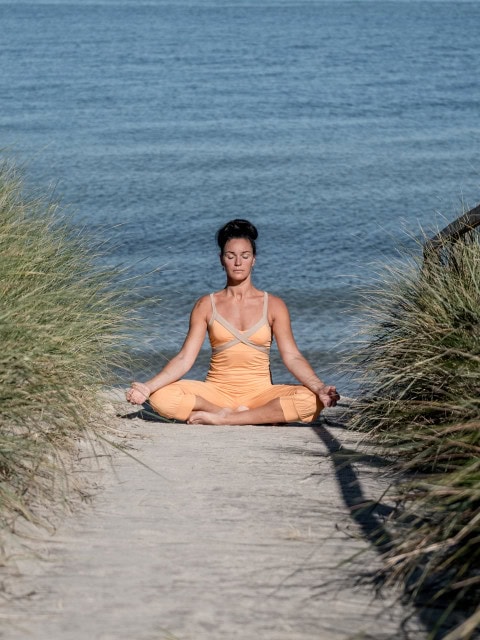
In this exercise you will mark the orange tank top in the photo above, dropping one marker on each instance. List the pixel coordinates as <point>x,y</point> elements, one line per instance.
<point>240,359</point>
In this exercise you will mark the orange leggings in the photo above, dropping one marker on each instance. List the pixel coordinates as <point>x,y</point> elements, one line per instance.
<point>176,400</point>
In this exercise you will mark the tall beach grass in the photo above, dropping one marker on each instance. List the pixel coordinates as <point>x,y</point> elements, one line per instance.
<point>62,329</point>
<point>418,370</point>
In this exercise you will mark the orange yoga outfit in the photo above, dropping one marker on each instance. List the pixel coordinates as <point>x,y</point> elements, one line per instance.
<point>239,375</point>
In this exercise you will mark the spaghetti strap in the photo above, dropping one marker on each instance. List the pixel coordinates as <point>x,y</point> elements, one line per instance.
<point>265,306</point>
<point>214,311</point>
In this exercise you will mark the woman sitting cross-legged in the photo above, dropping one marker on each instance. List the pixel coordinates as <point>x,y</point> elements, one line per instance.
<point>241,321</point>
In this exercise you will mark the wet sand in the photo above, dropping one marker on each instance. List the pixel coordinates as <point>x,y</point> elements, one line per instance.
<point>218,533</point>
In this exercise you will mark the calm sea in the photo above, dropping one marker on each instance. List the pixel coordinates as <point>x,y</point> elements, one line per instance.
<point>335,126</point>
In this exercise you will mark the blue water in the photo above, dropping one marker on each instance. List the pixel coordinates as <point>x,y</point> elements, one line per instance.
<point>333,125</point>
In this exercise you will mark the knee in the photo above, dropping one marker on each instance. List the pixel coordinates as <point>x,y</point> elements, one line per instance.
<point>172,402</point>
<point>303,405</point>
<point>308,404</point>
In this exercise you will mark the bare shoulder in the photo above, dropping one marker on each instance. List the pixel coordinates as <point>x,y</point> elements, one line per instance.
<point>202,302</point>
<point>277,307</point>
<point>201,307</point>
<point>275,302</point>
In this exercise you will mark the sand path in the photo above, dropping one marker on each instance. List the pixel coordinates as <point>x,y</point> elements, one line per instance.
<point>243,534</point>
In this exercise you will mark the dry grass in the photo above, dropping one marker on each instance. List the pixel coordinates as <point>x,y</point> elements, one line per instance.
<point>418,368</point>
<point>62,328</point>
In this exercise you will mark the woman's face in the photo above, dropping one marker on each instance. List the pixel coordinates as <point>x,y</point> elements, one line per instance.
<point>238,259</point>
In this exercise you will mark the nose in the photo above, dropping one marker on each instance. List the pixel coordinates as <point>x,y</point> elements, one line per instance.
<point>238,261</point>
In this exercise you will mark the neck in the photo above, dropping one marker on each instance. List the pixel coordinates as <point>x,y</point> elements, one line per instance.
<point>239,290</point>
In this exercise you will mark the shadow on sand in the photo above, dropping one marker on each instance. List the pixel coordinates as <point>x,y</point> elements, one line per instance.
<point>370,518</point>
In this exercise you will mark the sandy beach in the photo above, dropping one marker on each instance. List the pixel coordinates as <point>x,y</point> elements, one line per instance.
<point>213,533</point>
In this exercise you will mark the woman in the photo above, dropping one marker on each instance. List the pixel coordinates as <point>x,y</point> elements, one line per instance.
<point>240,320</point>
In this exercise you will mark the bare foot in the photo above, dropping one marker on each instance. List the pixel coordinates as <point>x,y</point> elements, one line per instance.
<point>224,416</point>
<point>208,417</point>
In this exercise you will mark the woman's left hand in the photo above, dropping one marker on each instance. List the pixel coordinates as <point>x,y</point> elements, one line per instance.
<point>329,396</point>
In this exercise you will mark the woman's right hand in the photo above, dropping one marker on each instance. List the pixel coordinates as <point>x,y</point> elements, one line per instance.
<point>138,393</point>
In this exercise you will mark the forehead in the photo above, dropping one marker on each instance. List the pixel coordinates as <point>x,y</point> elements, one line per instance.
<point>238,245</point>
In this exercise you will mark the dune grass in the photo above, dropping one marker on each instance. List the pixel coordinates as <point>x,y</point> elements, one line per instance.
<point>62,328</point>
<point>418,371</point>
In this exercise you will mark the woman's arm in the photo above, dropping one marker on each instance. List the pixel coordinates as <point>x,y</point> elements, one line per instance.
<point>295,362</point>
<point>182,362</point>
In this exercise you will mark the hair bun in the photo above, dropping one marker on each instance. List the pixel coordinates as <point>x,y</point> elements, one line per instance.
<point>238,228</point>
<point>243,227</point>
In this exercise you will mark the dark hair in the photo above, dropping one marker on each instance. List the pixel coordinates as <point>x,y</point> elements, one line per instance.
<point>237,228</point>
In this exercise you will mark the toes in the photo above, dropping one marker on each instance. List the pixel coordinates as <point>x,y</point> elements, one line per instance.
<point>195,418</point>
